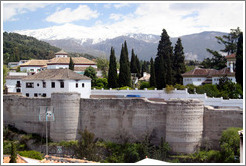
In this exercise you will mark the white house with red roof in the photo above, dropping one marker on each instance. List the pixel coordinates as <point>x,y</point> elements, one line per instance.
<point>200,76</point>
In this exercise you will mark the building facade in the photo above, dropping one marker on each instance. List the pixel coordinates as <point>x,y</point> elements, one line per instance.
<point>49,81</point>
<point>14,82</point>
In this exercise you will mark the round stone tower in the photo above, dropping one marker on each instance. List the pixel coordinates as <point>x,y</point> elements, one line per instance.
<point>184,124</point>
<point>66,112</point>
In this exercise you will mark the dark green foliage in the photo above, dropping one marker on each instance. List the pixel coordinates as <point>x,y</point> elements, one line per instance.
<point>131,154</point>
<point>230,145</point>
<point>71,64</point>
<point>138,67</point>
<point>144,85</point>
<point>31,154</point>
<point>5,72</point>
<point>217,62</point>
<point>152,74</point>
<point>179,87</point>
<point>209,89</point>
<point>229,90</point>
<point>125,73</point>
<point>191,88</point>
<point>13,153</point>
<point>211,156</point>
<point>239,60</point>
<point>19,47</point>
<point>178,63</point>
<point>101,83</point>
<point>163,61</point>
<point>91,72</point>
<point>103,65</point>
<point>87,146</point>
<point>112,72</point>
<point>134,68</point>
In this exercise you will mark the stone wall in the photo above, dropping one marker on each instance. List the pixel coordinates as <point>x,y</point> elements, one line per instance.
<point>184,123</point>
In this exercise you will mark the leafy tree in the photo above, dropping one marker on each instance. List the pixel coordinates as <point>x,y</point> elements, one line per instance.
<point>71,64</point>
<point>125,74</point>
<point>152,74</point>
<point>230,145</point>
<point>101,83</point>
<point>5,72</point>
<point>239,60</point>
<point>163,67</point>
<point>13,156</point>
<point>178,62</point>
<point>209,89</point>
<point>112,72</point>
<point>87,146</point>
<point>144,85</point>
<point>103,65</point>
<point>217,62</point>
<point>91,72</point>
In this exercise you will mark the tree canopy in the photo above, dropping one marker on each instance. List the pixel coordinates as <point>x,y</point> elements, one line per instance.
<point>112,72</point>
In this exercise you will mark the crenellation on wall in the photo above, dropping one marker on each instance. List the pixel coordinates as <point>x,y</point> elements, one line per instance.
<point>183,123</point>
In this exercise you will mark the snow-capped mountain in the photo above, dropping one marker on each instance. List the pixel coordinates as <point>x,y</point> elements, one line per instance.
<point>98,42</point>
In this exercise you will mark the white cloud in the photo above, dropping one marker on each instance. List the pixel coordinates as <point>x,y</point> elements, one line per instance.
<point>83,12</point>
<point>107,6</point>
<point>117,6</point>
<point>10,10</point>
<point>115,16</point>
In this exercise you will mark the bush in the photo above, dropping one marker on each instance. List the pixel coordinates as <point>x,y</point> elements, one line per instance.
<point>179,87</point>
<point>6,147</point>
<point>169,88</point>
<point>209,89</point>
<point>191,88</point>
<point>31,154</point>
<point>144,84</point>
<point>13,156</point>
<point>125,88</point>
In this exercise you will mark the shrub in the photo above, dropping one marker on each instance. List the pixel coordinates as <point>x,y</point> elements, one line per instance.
<point>144,84</point>
<point>209,89</point>
<point>179,87</point>
<point>125,88</point>
<point>169,88</point>
<point>7,147</point>
<point>13,153</point>
<point>31,154</point>
<point>191,88</point>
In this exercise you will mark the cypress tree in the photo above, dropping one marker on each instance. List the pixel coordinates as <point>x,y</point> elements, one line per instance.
<point>125,73</point>
<point>112,72</point>
<point>152,74</point>
<point>133,63</point>
<point>13,153</point>
<point>138,67</point>
<point>71,64</point>
<point>144,67</point>
<point>165,51</point>
<point>178,62</point>
<point>239,60</point>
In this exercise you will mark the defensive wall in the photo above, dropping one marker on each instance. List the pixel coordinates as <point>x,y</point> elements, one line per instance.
<point>182,94</point>
<point>184,123</point>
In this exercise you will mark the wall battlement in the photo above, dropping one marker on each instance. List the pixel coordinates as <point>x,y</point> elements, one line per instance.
<point>183,123</point>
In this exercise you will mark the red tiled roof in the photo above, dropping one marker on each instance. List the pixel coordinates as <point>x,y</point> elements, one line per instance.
<point>198,72</point>
<point>224,72</point>
<point>232,56</point>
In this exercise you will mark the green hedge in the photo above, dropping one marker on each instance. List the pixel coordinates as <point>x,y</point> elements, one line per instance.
<point>31,154</point>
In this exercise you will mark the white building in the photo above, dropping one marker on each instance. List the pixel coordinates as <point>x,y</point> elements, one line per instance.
<point>14,81</point>
<point>33,66</point>
<point>46,82</point>
<point>200,76</point>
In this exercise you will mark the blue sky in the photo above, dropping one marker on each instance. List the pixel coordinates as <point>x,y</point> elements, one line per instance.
<point>112,19</point>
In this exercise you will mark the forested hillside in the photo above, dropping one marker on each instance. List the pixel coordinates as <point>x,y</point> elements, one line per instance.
<point>21,47</point>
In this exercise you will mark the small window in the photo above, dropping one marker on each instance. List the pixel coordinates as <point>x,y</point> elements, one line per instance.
<point>37,84</point>
<point>29,85</point>
<point>53,85</point>
<point>44,95</point>
<point>83,85</point>
<point>62,84</point>
<point>18,90</point>
<point>35,95</point>
<point>44,84</point>
<point>31,69</point>
<point>76,85</point>
<point>27,94</point>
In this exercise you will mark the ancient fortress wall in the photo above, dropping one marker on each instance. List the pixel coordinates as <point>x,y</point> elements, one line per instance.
<point>182,123</point>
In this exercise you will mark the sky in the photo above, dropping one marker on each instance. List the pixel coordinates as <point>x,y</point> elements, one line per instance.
<point>108,19</point>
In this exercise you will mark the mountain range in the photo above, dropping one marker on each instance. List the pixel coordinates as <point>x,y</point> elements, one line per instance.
<point>144,45</point>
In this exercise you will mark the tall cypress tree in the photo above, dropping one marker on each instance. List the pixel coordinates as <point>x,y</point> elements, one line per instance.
<point>178,62</point>
<point>138,67</point>
<point>165,51</point>
<point>125,73</point>
<point>239,60</point>
<point>71,64</point>
<point>134,68</point>
<point>152,74</point>
<point>112,72</point>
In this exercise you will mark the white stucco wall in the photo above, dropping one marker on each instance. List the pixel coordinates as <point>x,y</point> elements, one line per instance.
<point>69,86</point>
<point>11,85</point>
<point>28,69</point>
<point>94,66</point>
<point>57,66</point>
<point>193,80</point>
<point>215,80</point>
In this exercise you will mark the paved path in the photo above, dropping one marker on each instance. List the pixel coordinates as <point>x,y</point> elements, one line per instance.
<point>29,160</point>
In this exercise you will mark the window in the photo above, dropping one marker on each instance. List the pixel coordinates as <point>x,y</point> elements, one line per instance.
<point>31,69</point>
<point>44,84</point>
<point>44,95</point>
<point>29,85</point>
<point>83,85</point>
<point>35,95</point>
<point>37,84</point>
<point>76,85</point>
<point>53,85</point>
<point>27,94</point>
<point>18,90</point>
<point>61,84</point>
